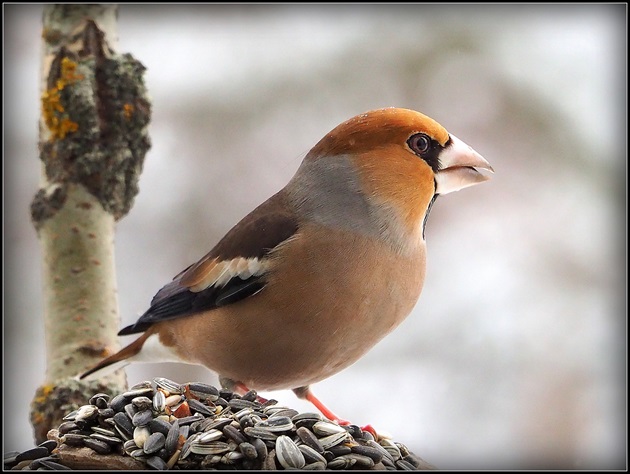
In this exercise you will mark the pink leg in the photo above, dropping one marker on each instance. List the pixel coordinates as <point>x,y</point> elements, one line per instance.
<point>238,387</point>
<point>306,393</point>
<point>324,409</point>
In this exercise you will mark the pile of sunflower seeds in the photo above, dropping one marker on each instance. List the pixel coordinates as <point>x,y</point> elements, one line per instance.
<point>197,426</point>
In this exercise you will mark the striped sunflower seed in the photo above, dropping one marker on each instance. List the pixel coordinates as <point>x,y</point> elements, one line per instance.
<point>289,455</point>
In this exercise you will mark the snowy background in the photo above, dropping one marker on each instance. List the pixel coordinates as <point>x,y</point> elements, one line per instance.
<point>515,354</point>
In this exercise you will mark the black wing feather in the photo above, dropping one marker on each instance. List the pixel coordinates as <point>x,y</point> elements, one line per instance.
<point>183,302</point>
<point>263,229</point>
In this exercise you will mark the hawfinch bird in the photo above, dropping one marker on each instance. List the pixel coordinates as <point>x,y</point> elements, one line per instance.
<point>315,276</point>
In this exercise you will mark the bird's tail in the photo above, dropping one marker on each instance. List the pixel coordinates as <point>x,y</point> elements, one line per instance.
<point>116,361</point>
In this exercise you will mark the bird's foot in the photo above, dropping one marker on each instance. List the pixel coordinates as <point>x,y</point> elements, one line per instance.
<point>307,394</point>
<point>240,388</point>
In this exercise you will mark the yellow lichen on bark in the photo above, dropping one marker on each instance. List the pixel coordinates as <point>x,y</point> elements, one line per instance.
<point>128,110</point>
<point>53,111</point>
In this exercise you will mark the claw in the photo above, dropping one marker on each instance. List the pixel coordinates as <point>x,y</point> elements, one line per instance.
<point>306,393</point>
<point>370,429</point>
<point>239,388</point>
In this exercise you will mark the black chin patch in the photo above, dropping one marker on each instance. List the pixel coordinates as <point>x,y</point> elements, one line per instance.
<point>426,216</point>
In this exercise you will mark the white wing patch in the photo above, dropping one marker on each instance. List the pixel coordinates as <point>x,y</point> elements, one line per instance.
<point>222,272</point>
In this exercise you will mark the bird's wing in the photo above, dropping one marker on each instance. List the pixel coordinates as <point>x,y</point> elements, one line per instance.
<point>233,270</point>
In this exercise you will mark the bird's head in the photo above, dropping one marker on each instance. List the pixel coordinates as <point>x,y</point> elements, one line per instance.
<point>384,169</point>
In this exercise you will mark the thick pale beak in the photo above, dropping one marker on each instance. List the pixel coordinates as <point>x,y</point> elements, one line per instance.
<point>459,166</point>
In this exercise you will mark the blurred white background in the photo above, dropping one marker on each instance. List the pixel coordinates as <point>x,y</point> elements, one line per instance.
<point>515,354</point>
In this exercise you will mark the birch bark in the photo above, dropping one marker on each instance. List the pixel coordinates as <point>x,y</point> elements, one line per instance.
<point>92,143</point>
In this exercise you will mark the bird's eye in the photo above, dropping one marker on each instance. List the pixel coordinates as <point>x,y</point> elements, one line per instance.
<point>419,143</point>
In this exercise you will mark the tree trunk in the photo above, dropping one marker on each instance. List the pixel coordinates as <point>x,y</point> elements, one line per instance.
<point>92,143</point>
